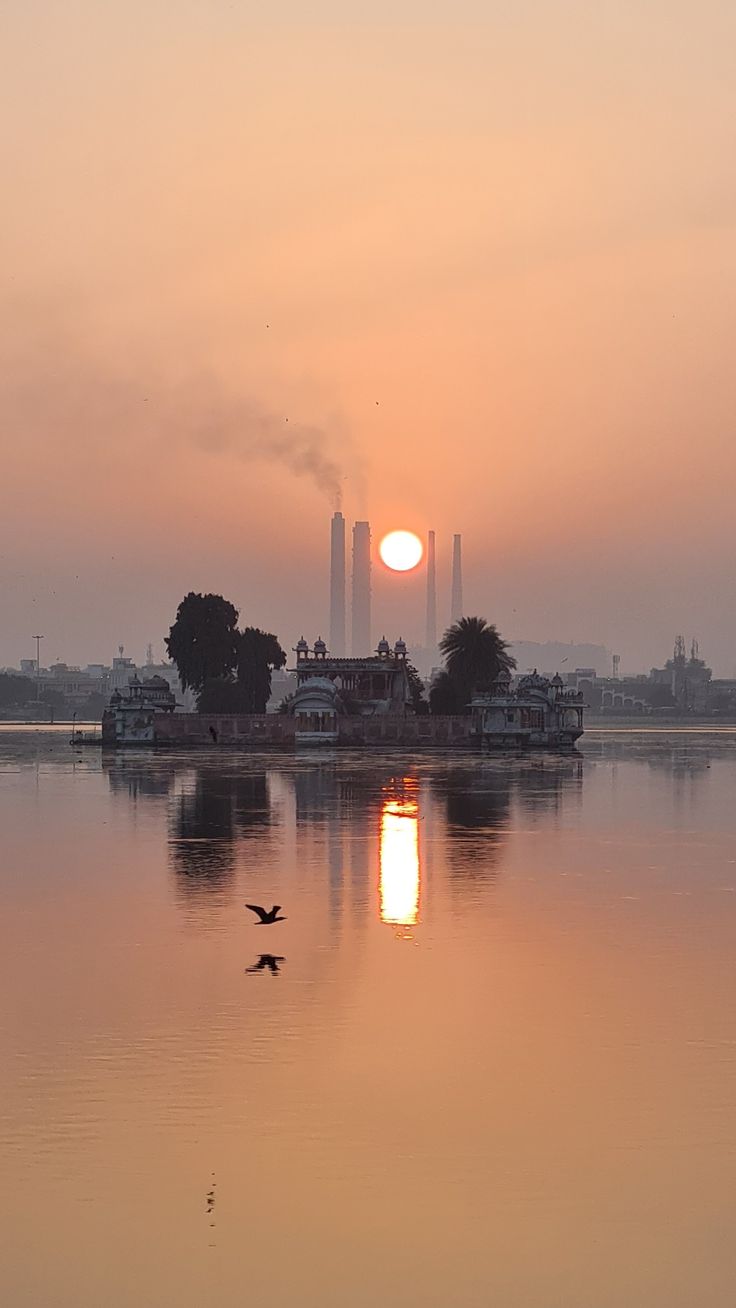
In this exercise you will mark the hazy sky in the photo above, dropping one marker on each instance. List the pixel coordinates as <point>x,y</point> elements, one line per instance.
<point>480,256</point>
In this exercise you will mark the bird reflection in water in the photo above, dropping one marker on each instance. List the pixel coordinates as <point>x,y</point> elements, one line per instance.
<point>267,963</point>
<point>399,857</point>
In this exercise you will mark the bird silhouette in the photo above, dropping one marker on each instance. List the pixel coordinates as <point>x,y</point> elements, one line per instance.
<point>267,916</point>
<point>268,961</point>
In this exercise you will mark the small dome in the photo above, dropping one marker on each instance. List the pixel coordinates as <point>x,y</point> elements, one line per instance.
<point>383,646</point>
<point>400,648</point>
<point>557,680</point>
<point>315,688</point>
<point>301,644</point>
<point>504,676</point>
<point>319,646</point>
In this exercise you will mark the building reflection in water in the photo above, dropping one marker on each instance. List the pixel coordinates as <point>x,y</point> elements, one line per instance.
<point>398,858</point>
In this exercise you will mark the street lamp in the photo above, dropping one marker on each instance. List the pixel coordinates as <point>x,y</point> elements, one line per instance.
<point>38,640</point>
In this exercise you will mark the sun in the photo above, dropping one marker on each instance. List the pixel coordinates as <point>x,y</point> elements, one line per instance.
<point>401,550</point>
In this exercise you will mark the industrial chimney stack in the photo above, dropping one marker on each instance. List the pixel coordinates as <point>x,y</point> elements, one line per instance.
<point>456,607</point>
<point>361,644</point>
<point>430,638</point>
<point>337,586</point>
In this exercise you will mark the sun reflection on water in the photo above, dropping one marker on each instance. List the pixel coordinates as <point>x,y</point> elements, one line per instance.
<point>399,862</point>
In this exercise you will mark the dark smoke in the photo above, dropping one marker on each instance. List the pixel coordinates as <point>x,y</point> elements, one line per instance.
<point>50,383</point>
<point>246,429</point>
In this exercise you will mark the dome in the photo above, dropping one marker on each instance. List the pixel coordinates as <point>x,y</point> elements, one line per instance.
<point>557,680</point>
<point>319,646</point>
<point>301,645</point>
<point>383,646</point>
<point>400,648</point>
<point>316,692</point>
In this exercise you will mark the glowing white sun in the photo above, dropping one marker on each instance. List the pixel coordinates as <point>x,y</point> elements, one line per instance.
<point>401,550</point>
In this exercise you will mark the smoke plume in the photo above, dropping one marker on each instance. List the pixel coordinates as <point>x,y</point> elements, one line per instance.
<point>50,384</point>
<point>248,430</point>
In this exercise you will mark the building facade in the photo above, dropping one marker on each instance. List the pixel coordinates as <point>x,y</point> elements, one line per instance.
<point>331,687</point>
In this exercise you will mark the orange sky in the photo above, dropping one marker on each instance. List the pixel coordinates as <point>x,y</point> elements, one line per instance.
<point>483,253</point>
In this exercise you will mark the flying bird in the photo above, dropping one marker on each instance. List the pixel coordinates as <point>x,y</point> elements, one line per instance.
<point>268,961</point>
<point>267,916</point>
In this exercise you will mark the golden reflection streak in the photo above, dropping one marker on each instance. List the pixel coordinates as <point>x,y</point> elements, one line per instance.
<point>399,862</point>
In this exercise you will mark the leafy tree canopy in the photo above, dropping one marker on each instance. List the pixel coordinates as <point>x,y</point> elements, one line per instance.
<point>445,696</point>
<point>222,695</point>
<point>15,690</point>
<point>259,653</point>
<point>416,688</point>
<point>203,642</point>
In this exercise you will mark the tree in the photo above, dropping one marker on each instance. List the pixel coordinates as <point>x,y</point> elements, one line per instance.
<point>203,642</point>
<point>416,689</point>
<point>55,701</point>
<point>15,690</point>
<point>222,695</point>
<point>445,696</point>
<point>475,654</point>
<point>259,653</point>
<point>93,707</point>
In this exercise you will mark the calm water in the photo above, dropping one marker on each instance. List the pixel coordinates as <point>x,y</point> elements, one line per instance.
<point>495,1066</point>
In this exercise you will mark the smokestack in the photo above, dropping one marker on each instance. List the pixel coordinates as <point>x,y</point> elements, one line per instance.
<point>430,638</point>
<point>456,607</point>
<point>337,586</point>
<point>361,589</point>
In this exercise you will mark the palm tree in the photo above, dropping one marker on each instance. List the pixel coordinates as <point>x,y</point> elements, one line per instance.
<point>475,654</point>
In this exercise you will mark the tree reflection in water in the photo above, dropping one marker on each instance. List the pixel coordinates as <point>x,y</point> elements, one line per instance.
<point>139,777</point>
<point>480,801</point>
<point>208,820</point>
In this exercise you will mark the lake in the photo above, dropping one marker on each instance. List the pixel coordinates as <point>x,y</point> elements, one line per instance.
<point>487,1059</point>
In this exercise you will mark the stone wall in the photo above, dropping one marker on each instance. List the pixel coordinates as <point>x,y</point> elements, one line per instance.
<point>387,729</point>
<point>251,730</point>
<point>277,730</point>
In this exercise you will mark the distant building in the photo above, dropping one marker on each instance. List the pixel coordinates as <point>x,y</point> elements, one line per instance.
<point>551,656</point>
<point>688,679</point>
<point>73,685</point>
<point>122,671</point>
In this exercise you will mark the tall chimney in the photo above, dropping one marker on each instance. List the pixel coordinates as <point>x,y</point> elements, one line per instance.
<point>361,645</point>
<point>337,586</point>
<point>456,607</point>
<point>430,638</point>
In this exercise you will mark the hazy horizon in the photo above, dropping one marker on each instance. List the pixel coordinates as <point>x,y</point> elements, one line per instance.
<point>474,272</point>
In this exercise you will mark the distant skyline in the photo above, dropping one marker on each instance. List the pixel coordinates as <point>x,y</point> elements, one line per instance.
<point>472,272</point>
